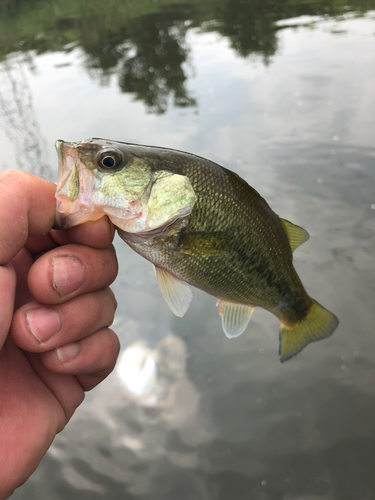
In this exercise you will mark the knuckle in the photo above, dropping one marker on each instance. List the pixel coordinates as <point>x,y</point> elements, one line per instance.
<point>103,307</point>
<point>111,347</point>
<point>97,306</point>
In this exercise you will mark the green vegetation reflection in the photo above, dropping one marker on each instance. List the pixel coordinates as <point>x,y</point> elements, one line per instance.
<point>143,42</point>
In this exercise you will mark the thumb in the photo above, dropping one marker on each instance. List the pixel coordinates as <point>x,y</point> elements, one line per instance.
<point>27,208</point>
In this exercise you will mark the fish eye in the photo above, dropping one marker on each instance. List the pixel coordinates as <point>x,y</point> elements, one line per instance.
<point>109,160</point>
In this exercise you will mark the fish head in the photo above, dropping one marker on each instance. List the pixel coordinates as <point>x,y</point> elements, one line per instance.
<point>125,182</point>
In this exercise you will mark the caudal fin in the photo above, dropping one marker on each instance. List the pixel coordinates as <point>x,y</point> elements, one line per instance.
<point>318,324</point>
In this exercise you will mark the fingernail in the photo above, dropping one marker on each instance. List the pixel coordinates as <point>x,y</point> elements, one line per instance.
<point>68,274</point>
<point>43,323</point>
<point>68,352</point>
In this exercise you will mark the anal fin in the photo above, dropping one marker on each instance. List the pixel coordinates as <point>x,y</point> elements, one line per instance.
<point>234,317</point>
<point>175,292</point>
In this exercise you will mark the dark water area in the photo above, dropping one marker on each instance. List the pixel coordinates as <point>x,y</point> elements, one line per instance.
<point>283,94</point>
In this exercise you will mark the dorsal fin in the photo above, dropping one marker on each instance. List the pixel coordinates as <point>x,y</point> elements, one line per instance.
<point>296,235</point>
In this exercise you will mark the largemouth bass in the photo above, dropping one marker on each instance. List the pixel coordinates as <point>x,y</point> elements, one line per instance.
<point>201,225</point>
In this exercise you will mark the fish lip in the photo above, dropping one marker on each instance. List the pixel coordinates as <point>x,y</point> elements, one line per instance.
<point>62,221</point>
<point>65,148</point>
<point>64,151</point>
<point>67,160</point>
<point>66,220</point>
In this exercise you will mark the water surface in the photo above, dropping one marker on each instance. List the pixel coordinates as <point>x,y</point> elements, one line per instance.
<point>283,94</point>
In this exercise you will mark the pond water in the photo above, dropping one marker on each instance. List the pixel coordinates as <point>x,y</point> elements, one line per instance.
<point>283,94</point>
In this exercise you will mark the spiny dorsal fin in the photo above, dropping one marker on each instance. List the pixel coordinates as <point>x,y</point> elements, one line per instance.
<point>175,292</point>
<point>234,317</point>
<point>296,234</point>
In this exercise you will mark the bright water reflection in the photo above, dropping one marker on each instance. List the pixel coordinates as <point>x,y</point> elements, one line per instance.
<point>282,93</point>
<point>137,368</point>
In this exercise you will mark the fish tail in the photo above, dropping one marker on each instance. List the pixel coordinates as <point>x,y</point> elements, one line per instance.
<point>316,325</point>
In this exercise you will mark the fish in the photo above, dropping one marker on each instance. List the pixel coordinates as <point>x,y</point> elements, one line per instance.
<point>201,225</point>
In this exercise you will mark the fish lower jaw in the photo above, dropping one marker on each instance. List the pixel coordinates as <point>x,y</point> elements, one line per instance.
<point>71,214</point>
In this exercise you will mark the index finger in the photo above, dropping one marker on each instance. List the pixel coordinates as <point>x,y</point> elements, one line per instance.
<point>27,208</point>
<point>97,234</point>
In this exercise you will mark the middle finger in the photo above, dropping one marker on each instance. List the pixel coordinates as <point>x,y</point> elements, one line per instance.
<point>39,328</point>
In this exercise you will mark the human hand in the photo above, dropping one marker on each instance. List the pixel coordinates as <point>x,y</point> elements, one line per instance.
<point>55,307</point>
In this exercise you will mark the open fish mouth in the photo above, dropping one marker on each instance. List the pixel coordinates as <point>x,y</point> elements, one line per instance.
<point>67,210</point>
<point>76,183</point>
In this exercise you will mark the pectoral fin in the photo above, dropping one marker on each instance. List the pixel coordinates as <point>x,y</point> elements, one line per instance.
<point>205,243</point>
<point>296,234</point>
<point>234,317</point>
<point>175,292</point>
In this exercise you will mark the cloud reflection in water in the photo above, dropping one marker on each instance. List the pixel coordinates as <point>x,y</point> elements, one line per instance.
<point>137,368</point>
<point>157,378</point>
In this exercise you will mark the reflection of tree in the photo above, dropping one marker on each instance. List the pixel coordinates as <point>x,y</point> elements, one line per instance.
<point>18,118</point>
<point>250,26</point>
<point>156,70</point>
<point>106,49</point>
<point>148,55</point>
<point>144,42</point>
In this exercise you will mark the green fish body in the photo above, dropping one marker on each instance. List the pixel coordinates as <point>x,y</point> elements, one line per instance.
<point>201,225</point>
